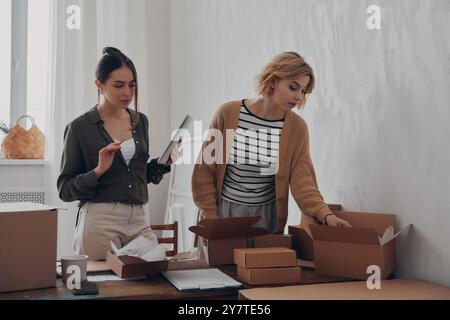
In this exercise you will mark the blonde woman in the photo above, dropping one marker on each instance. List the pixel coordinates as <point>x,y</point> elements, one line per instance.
<point>267,153</point>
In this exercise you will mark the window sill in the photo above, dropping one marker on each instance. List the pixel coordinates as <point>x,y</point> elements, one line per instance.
<point>7,162</point>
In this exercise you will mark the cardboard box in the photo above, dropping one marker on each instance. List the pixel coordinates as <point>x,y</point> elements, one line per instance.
<point>221,252</point>
<point>301,234</point>
<point>273,240</point>
<point>225,235</point>
<point>348,252</point>
<point>28,239</point>
<point>269,275</point>
<point>131,267</point>
<point>396,289</point>
<point>265,258</point>
<point>302,241</point>
<point>305,264</point>
<point>302,238</point>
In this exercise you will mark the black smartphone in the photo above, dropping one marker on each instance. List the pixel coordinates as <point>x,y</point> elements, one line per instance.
<point>86,288</point>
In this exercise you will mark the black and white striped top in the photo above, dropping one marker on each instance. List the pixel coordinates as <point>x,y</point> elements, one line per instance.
<point>252,165</point>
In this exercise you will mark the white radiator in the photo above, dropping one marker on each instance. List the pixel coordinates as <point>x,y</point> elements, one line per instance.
<point>35,196</point>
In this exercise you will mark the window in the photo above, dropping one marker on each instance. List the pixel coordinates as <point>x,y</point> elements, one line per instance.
<point>5,60</point>
<point>37,59</point>
<point>24,34</point>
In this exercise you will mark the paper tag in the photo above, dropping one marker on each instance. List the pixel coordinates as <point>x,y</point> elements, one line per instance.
<point>387,235</point>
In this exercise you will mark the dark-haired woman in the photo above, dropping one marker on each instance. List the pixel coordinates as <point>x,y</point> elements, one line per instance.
<point>104,162</point>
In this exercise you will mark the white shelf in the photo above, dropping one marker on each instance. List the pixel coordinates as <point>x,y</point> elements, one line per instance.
<point>6,162</point>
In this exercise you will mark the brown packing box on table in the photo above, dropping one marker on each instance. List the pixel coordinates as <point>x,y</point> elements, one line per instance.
<point>225,235</point>
<point>268,276</point>
<point>348,252</point>
<point>305,264</point>
<point>226,246</point>
<point>301,235</point>
<point>220,252</point>
<point>28,239</point>
<point>265,258</point>
<point>131,267</point>
<point>273,240</point>
<point>396,289</point>
<point>263,266</point>
<point>302,241</point>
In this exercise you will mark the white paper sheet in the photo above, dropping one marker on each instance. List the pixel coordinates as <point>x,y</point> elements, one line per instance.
<point>143,248</point>
<point>110,277</point>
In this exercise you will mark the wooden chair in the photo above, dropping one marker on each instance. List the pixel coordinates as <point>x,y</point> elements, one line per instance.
<point>172,240</point>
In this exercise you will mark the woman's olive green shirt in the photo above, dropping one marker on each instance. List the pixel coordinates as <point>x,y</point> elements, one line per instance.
<point>83,139</point>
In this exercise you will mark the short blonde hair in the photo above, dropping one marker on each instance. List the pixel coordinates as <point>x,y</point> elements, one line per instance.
<point>286,65</point>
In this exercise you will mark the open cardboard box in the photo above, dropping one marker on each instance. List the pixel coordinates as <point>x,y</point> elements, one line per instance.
<point>225,235</point>
<point>348,252</point>
<point>132,267</point>
<point>28,239</point>
<point>301,234</point>
<point>273,240</point>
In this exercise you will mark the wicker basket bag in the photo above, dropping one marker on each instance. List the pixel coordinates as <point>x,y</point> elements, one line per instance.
<point>24,144</point>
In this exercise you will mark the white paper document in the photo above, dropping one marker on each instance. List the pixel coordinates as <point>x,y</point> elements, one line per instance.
<point>143,248</point>
<point>110,277</point>
<point>200,279</point>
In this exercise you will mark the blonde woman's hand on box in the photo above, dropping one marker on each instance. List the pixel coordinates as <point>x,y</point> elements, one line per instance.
<point>333,221</point>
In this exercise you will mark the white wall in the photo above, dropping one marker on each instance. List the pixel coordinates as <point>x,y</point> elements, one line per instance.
<point>378,115</point>
<point>159,97</point>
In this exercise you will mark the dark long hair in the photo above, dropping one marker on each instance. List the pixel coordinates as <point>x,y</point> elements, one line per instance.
<point>111,60</point>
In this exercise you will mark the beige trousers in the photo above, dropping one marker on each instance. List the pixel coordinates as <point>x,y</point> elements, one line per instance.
<point>101,223</point>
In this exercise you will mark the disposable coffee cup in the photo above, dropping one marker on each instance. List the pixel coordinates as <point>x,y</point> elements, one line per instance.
<point>74,265</point>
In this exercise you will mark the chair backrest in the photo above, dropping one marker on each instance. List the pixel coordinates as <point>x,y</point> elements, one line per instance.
<point>171,240</point>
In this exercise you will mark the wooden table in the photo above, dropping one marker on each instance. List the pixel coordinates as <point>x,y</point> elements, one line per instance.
<point>154,288</point>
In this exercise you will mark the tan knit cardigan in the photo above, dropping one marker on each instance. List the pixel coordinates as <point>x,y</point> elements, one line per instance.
<point>295,168</point>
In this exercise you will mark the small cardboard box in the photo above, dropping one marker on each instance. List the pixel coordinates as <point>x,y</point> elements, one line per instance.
<point>28,240</point>
<point>273,240</point>
<point>269,275</point>
<point>132,267</point>
<point>265,258</point>
<point>225,235</point>
<point>348,252</point>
